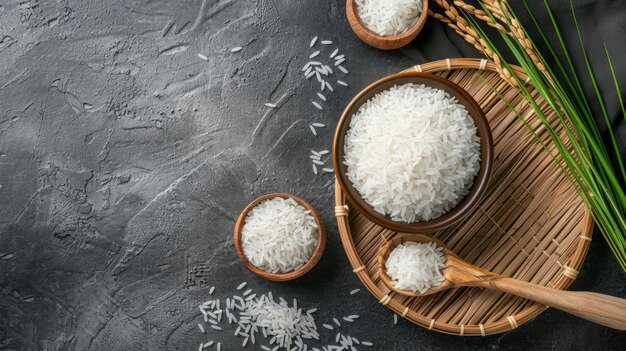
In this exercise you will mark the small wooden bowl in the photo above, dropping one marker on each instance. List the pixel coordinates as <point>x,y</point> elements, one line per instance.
<point>387,42</point>
<point>471,200</point>
<point>317,254</point>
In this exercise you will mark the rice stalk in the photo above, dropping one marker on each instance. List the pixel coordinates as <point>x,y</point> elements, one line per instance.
<point>575,136</point>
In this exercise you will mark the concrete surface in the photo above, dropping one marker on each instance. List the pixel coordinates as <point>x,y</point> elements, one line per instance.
<point>125,159</point>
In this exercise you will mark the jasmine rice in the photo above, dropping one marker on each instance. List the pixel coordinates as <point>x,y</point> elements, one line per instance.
<point>412,152</point>
<point>389,17</point>
<point>279,235</point>
<point>415,266</point>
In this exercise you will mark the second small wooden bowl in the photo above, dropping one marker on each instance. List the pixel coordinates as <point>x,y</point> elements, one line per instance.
<point>317,254</point>
<point>383,42</point>
<point>478,188</point>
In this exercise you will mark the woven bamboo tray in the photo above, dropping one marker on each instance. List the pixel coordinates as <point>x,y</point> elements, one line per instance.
<point>531,225</point>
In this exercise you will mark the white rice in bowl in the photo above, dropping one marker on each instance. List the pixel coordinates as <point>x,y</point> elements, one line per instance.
<point>279,235</point>
<point>389,17</point>
<point>412,152</point>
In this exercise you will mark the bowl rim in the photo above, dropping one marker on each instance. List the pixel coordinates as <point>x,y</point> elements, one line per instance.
<point>411,33</point>
<point>469,203</point>
<point>315,257</point>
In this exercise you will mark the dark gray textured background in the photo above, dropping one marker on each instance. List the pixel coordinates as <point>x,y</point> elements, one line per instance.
<point>125,159</point>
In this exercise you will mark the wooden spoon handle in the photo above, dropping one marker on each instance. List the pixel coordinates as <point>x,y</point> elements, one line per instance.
<point>602,309</point>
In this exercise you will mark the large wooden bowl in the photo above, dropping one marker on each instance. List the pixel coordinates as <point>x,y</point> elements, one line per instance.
<point>471,200</point>
<point>317,254</point>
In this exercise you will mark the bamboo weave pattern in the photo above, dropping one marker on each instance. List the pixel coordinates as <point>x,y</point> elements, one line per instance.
<point>531,224</point>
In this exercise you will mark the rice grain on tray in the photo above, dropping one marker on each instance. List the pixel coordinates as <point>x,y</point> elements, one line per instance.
<point>389,17</point>
<point>426,154</point>
<point>279,235</point>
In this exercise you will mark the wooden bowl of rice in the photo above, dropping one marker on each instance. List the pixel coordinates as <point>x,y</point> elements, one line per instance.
<point>479,185</point>
<point>291,275</point>
<point>384,42</point>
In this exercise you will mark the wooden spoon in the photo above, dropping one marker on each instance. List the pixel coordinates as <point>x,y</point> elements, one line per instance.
<point>602,309</point>
<point>386,42</point>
